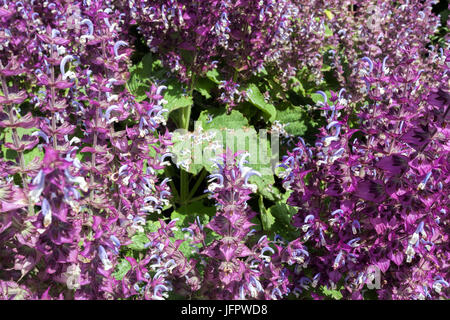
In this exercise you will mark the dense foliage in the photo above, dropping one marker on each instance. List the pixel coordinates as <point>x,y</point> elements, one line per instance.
<point>105,105</point>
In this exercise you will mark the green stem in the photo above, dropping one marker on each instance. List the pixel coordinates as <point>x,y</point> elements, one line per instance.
<point>186,117</point>
<point>197,198</point>
<point>184,181</point>
<point>197,183</point>
<point>174,190</point>
<point>16,142</point>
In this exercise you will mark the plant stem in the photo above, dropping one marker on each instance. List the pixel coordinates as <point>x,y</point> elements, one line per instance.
<point>184,181</point>
<point>172,185</point>
<point>186,118</point>
<point>93,158</point>
<point>95,138</point>
<point>52,103</point>
<point>16,139</point>
<point>197,198</point>
<point>184,178</point>
<point>197,183</point>
<point>174,192</point>
<point>15,135</point>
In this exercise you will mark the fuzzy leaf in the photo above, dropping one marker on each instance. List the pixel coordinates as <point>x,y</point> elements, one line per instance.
<point>121,269</point>
<point>267,218</point>
<point>334,294</point>
<point>257,99</point>
<point>204,87</point>
<point>28,155</point>
<point>316,97</point>
<point>217,119</point>
<point>293,117</point>
<point>139,240</point>
<point>283,214</point>
<point>186,150</point>
<point>148,68</point>
<point>188,214</point>
<point>213,76</point>
<point>328,14</point>
<point>175,96</point>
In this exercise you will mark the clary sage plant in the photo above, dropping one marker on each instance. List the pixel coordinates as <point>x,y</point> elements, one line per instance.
<point>105,106</point>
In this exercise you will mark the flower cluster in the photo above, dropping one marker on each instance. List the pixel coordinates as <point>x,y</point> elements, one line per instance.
<point>379,29</point>
<point>159,272</point>
<point>240,38</point>
<point>235,267</point>
<point>70,210</point>
<point>86,205</point>
<point>376,197</point>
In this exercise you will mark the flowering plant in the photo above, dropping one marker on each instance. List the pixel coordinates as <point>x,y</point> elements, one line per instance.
<point>173,149</point>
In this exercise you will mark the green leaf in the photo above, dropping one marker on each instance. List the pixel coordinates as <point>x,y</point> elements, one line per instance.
<point>150,68</point>
<point>334,294</point>
<point>328,14</point>
<point>175,96</point>
<point>316,97</point>
<point>266,187</point>
<point>257,99</point>
<point>293,117</point>
<point>213,76</point>
<point>191,156</point>
<point>245,139</point>
<point>325,68</point>
<point>328,31</point>
<point>220,131</point>
<point>297,86</point>
<point>263,72</point>
<point>121,269</point>
<point>282,214</point>
<point>275,88</point>
<point>147,69</point>
<point>204,87</point>
<point>266,216</point>
<point>217,119</point>
<point>152,226</point>
<point>248,110</point>
<point>139,240</point>
<point>28,155</point>
<point>187,215</point>
<point>20,132</point>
